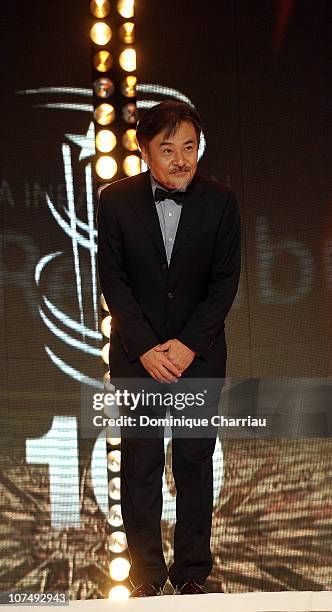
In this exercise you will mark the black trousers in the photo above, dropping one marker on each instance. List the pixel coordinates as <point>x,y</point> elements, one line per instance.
<point>142,466</point>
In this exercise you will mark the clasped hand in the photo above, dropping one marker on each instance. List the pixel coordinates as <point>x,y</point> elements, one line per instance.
<point>166,362</point>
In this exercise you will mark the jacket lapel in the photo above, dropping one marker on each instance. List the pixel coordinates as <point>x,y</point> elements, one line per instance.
<point>192,207</point>
<point>145,208</point>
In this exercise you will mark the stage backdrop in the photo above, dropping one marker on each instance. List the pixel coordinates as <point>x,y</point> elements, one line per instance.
<point>259,76</point>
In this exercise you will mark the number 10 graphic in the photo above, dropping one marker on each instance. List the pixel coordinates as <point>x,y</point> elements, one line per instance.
<point>58,449</point>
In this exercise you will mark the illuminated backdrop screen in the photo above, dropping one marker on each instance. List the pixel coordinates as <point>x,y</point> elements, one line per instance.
<point>260,82</point>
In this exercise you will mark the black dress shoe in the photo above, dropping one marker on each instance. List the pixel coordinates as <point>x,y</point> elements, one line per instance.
<point>147,589</point>
<point>189,587</point>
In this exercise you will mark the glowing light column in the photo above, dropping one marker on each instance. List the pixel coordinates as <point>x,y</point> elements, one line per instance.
<point>112,36</point>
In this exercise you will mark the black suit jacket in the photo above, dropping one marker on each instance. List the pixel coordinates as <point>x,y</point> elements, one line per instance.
<point>151,302</point>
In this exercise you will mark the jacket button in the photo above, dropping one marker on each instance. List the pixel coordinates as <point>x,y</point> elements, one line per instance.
<point>166,324</point>
<point>170,295</point>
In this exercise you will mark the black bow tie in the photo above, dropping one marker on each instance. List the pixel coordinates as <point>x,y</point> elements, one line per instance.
<point>162,194</point>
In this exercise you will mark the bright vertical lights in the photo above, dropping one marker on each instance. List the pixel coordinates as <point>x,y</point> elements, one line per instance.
<point>100,8</point>
<point>129,140</point>
<point>100,33</point>
<point>118,593</point>
<point>129,113</point>
<point>106,168</point>
<point>128,86</point>
<point>102,61</point>
<point>117,542</point>
<point>104,353</point>
<point>127,32</point>
<point>103,303</point>
<point>106,326</point>
<point>114,488</point>
<point>126,8</point>
<point>105,141</point>
<point>113,441</point>
<point>114,460</point>
<point>119,569</point>
<point>104,114</point>
<point>114,517</point>
<point>127,59</point>
<point>114,91</point>
<point>103,87</point>
<point>131,165</point>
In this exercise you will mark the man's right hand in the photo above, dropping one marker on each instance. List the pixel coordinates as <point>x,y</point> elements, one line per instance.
<point>159,366</point>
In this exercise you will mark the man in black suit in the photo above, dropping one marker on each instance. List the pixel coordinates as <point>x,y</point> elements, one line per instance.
<point>169,261</point>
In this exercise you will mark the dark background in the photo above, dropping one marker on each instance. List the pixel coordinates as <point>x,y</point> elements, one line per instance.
<point>258,72</point>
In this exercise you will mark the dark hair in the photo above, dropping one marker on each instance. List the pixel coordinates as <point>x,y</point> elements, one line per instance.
<point>166,117</point>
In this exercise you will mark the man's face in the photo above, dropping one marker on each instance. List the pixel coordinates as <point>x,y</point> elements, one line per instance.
<point>173,160</point>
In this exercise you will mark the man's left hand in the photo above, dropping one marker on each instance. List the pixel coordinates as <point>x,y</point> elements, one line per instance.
<point>178,353</point>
